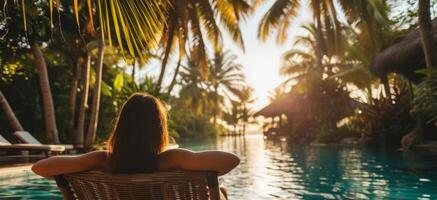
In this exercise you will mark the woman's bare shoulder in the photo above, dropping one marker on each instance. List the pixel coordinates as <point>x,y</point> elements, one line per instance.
<point>100,159</point>
<point>98,154</point>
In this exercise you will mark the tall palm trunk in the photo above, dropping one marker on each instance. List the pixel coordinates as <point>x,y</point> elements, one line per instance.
<point>426,34</point>
<point>235,129</point>
<point>49,110</point>
<point>427,40</point>
<point>173,80</point>
<point>319,37</point>
<point>169,43</point>
<point>9,114</point>
<point>92,128</point>
<point>216,106</point>
<point>73,98</point>
<point>79,135</point>
<point>245,118</point>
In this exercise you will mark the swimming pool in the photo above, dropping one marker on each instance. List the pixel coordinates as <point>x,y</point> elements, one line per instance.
<point>26,185</point>
<point>278,170</point>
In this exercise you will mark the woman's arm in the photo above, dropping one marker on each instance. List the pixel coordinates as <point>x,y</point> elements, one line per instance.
<point>70,164</point>
<point>218,161</point>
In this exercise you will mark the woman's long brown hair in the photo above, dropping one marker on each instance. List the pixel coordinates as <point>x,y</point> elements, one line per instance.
<point>139,136</point>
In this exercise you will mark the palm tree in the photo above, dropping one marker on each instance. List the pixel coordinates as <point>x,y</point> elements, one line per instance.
<point>135,24</point>
<point>277,93</point>
<point>34,37</point>
<point>282,12</point>
<point>72,99</point>
<point>79,134</point>
<point>232,117</point>
<point>225,78</point>
<point>328,30</point>
<point>426,33</point>
<point>49,109</point>
<point>245,97</point>
<point>175,75</point>
<point>92,127</point>
<point>301,65</point>
<point>370,18</point>
<point>190,20</point>
<point>9,114</point>
<point>194,89</point>
<point>298,64</point>
<point>352,68</point>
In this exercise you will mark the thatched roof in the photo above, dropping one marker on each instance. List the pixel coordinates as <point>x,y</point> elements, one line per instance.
<point>289,103</point>
<point>405,56</point>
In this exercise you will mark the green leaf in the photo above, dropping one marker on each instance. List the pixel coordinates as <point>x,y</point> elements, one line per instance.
<point>425,71</point>
<point>119,81</point>
<point>106,90</point>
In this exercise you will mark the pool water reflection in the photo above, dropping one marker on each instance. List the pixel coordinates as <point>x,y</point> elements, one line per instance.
<point>278,170</point>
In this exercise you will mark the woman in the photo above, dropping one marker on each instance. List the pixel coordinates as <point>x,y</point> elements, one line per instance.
<point>138,144</point>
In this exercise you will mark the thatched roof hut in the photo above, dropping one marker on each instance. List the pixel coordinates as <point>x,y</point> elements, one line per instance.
<point>405,56</point>
<point>287,104</point>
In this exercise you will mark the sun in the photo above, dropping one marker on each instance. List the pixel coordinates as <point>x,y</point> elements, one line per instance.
<point>262,73</point>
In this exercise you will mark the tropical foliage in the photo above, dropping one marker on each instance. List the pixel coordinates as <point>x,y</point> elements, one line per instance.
<point>425,102</point>
<point>333,59</point>
<point>195,24</point>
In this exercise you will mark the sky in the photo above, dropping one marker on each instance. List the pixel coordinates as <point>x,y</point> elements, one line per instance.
<point>261,60</point>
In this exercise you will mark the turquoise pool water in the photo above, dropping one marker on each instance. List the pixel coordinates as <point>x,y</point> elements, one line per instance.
<point>27,186</point>
<point>278,170</point>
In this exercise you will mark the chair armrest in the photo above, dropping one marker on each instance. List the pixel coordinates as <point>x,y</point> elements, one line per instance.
<point>64,187</point>
<point>213,185</point>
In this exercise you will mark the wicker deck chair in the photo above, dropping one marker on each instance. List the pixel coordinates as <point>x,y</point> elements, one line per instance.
<point>179,185</point>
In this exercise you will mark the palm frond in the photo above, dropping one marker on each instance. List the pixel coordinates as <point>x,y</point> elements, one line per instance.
<point>281,10</point>
<point>137,24</point>
<point>296,54</point>
<point>230,13</point>
<point>198,47</point>
<point>206,15</point>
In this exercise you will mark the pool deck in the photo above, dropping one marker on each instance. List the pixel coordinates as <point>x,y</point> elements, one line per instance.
<point>15,165</point>
<point>15,169</point>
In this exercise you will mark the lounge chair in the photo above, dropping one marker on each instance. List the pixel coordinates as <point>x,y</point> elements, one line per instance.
<point>26,138</point>
<point>162,185</point>
<point>5,145</point>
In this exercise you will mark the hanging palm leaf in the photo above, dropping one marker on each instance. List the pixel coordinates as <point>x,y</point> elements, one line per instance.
<point>136,24</point>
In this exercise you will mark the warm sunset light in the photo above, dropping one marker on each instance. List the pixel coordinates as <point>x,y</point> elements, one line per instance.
<point>262,60</point>
<point>218,99</point>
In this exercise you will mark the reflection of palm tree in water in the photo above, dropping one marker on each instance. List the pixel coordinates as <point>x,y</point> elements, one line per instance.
<point>274,169</point>
<point>233,144</point>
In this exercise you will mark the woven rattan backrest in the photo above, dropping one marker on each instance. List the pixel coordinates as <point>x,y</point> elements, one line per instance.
<point>164,185</point>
